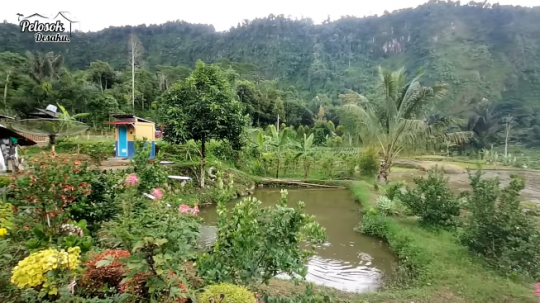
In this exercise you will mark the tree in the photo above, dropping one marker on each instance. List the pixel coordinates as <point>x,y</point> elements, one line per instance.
<point>135,49</point>
<point>305,152</point>
<point>201,108</point>
<point>9,64</point>
<point>279,139</point>
<point>394,122</point>
<point>102,74</point>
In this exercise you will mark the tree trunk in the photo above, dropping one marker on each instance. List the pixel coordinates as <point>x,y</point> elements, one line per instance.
<point>5,90</point>
<point>203,162</point>
<point>277,168</point>
<point>384,171</point>
<point>52,142</point>
<point>133,79</point>
<point>506,141</point>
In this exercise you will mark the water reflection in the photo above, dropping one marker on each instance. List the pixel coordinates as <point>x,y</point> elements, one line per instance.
<point>349,261</point>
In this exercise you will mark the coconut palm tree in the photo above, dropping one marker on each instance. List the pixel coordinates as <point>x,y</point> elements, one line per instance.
<point>395,121</point>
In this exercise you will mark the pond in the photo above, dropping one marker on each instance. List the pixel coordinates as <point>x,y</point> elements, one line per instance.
<point>348,261</point>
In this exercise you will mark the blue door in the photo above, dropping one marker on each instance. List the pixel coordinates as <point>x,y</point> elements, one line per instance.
<point>122,141</point>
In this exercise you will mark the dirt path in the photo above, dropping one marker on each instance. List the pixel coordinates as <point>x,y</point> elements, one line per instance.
<point>460,182</point>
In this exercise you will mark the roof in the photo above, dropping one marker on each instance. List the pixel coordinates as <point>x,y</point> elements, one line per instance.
<point>43,113</point>
<point>119,123</point>
<point>130,116</point>
<point>22,140</point>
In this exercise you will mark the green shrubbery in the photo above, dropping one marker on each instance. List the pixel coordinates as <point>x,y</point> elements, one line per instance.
<point>432,201</point>
<point>368,162</point>
<point>226,293</point>
<point>498,229</point>
<point>258,243</point>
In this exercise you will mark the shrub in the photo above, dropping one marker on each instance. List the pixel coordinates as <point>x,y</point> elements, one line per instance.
<point>226,293</point>
<point>98,151</point>
<point>394,189</point>
<point>498,229</point>
<point>40,269</point>
<point>368,162</point>
<point>432,200</point>
<point>387,207</point>
<point>373,224</point>
<point>101,205</point>
<point>98,276</point>
<point>271,235</point>
<point>44,195</point>
<point>4,181</point>
<point>150,175</point>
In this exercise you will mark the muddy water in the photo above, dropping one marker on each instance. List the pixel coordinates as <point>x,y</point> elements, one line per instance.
<point>348,261</point>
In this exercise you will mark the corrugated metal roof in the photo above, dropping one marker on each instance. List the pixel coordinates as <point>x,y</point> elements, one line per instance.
<point>120,123</point>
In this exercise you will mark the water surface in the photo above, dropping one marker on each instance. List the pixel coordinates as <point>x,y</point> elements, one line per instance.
<point>348,261</point>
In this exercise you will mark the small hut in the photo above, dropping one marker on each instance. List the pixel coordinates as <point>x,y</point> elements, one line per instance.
<point>129,127</point>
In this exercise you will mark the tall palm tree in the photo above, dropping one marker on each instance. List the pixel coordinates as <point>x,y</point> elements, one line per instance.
<point>44,66</point>
<point>395,122</point>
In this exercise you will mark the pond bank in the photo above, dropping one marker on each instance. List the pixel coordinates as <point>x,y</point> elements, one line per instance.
<point>442,270</point>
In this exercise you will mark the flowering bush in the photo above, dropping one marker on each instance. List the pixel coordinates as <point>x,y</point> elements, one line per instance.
<point>33,271</point>
<point>156,192</point>
<point>184,209</point>
<point>6,217</point>
<point>48,190</point>
<point>131,180</point>
<point>98,274</point>
<point>136,285</point>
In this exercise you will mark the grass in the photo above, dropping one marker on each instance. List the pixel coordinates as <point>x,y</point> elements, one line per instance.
<point>452,275</point>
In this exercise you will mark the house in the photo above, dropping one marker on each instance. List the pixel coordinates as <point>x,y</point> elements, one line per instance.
<point>129,128</point>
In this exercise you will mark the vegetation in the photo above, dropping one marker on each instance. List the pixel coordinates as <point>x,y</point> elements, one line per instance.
<point>321,105</point>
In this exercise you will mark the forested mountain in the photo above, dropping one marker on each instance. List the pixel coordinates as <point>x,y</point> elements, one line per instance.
<point>479,50</point>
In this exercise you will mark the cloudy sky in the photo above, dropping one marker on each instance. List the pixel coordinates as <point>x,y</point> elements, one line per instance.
<point>223,14</point>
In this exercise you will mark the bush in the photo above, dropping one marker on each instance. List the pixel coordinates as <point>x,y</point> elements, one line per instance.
<point>373,224</point>
<point>101,204</point>
<point>432,200</point>
<point>4,181</point>
<point>226,293</point>
<point>387,207</point>
<point>394,189</point>
<point>369,162</point>
<point>499,229</point>
<point>413,260</point>
<point>98,276</point>
<point>271,235</point>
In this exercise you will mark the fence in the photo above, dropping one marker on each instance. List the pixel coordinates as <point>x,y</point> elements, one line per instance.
<point>87,136</point>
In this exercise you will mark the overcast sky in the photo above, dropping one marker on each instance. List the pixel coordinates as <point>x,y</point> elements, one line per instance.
<point>223,14</point>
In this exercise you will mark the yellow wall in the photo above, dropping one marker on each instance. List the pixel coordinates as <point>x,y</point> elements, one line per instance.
<point>145,130</point>
<point>130,129</point>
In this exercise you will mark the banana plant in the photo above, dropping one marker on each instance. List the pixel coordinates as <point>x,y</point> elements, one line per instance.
<point>278,141</point>
<point>305,153</point>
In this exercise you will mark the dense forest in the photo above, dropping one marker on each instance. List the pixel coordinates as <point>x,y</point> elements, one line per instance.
<point>488,55</point>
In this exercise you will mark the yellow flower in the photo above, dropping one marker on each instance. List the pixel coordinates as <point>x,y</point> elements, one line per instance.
<point>3,232</point>
<point>32,271</point>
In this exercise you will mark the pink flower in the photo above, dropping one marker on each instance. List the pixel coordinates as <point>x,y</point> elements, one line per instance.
<point>156,192</point>
<point>537,291</point>
<point>183,209</point>
<point>131,180</point>
<point>194,210</point>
